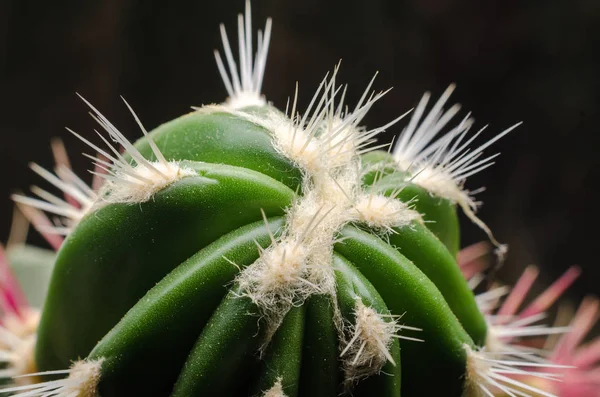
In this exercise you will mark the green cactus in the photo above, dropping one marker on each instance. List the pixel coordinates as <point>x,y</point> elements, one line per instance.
<point>240,250</point>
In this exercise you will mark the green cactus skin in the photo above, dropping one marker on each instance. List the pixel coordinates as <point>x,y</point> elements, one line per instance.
<point>283,359</point>
<point>223,353</point>
<point>406,290</point>
<point>376,164</point>
<point>120,251</point>
<point>190,294</point>
<point>439,214</point>
<point>223,139</point>
<point>422,247</point>
<point>320,375</point>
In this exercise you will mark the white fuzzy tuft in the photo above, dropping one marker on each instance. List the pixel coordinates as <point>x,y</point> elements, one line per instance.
<point>82,381</point>
<point>384,213</point>
<point>279,277</point>
<point>329,136</point>
<point>367,351</point>
<point>293,268</point>
<point>366,348</point>
<point>276,390</point>
<point>127,182</point>
<point>244,87</point>
<point>145,180</point>
<point>301,138</point>
<point>442,165</point>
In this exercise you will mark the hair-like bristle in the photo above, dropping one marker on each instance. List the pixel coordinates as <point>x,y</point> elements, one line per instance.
<point>343,134</point>
<point>489,373</point>
<point>66,212</point>
<point>515,360</point>
<point>82,381</point>
<point>442,164</point>
<point>78,200</point>
<point>244,86</point>
<point>128,181</point>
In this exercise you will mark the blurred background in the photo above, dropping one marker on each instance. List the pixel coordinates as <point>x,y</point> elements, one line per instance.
<point>533,61</point>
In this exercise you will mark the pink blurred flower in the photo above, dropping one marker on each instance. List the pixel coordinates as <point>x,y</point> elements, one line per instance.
<point>583,380</point>
<point>573,367</point>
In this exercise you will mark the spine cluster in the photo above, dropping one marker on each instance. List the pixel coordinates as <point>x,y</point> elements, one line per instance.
<point>325,145</point>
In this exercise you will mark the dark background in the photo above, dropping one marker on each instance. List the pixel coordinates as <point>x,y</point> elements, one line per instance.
<point>531,61</point>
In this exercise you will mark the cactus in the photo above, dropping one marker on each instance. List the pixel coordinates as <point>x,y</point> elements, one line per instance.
<point>242,250</point>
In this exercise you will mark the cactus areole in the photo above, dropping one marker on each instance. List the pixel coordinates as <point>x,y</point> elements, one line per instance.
<point>244,251</point>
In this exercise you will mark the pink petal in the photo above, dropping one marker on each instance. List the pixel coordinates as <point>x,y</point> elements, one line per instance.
<point>473,268</point>
<point>13,298</point>
<point>61,158</point>
<point>98,181</point>
<point>519,292</point>
<point>473,252</point>
<point>552,293</point>
<point>579,384</point>
<point>587,355</point>
<point>42,224</point>
<point>583,321</point>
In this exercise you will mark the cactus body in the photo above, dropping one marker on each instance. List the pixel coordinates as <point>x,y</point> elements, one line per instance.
<point>187,239</point>
<point>239,251</point>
